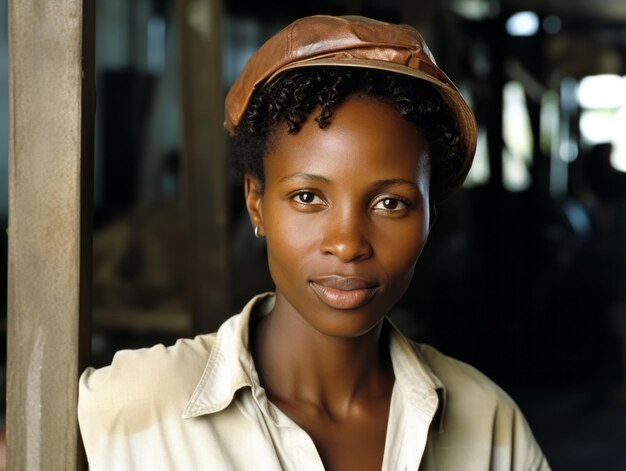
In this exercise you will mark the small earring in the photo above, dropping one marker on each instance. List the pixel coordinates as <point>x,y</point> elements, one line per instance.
<point>256,232</point>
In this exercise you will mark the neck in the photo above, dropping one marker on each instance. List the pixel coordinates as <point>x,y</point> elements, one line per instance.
<point>297,363</point>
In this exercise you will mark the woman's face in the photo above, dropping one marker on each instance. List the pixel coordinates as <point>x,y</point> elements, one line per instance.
<point>346,214</point>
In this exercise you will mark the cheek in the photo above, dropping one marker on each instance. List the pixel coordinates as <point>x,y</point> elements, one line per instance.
<point>401,249</point>
<point>290,240</point>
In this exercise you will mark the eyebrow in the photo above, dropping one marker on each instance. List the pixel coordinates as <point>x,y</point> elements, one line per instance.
<point>305,176</point>
<point>320,179</point>
<point>394,181</point>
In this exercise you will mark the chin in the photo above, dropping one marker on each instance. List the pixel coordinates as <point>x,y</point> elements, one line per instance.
<point>344,323</point>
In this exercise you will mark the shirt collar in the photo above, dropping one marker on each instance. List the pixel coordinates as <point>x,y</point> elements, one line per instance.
<point>230,367</point>
<point>417,382</point>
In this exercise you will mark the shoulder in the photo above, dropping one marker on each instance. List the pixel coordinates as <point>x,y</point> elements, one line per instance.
<point>470,396</point>
<point>459,377</point>
<point>479,416</point>
<point>139,380</point>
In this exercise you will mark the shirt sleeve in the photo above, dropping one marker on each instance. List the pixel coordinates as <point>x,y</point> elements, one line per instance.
<point>527,454</point>
<point>110,410</point>
<point>116,404</point>
<point>90,418</point>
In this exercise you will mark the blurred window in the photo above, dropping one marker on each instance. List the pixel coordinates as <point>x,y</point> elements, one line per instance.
<point>523,23</point>
<point>518,140</point>
<point>602,99</point>
<point>480,173</point>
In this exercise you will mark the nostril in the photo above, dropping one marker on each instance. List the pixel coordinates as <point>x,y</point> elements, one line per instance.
<point>347,249</point>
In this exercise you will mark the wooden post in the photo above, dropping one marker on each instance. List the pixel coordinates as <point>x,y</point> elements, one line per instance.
<point>50,192</point>
<point>204,161</point>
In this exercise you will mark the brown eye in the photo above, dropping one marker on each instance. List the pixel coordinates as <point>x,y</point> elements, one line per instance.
<point>390,204</point>
<point>307,197</point>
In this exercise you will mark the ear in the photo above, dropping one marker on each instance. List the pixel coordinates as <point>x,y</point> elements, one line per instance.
<point>254,202</point>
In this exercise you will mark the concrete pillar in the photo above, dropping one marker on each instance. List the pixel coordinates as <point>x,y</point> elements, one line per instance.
<point>50,192</point>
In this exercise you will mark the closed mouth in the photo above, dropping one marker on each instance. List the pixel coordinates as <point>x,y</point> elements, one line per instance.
<point>343,293</point>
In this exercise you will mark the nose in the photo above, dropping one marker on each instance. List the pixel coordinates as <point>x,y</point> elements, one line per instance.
<point>346,237</point>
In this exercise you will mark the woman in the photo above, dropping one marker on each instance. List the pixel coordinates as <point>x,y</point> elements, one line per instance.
<point>348,136</point>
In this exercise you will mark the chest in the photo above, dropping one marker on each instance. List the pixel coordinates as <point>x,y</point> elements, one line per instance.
<point>351,444</point>
<point>353,440</point>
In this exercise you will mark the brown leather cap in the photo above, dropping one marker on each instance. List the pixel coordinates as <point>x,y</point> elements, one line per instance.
<point>349,41</point>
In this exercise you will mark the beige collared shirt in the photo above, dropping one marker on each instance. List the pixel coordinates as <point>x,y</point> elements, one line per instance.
<point>198,405</point>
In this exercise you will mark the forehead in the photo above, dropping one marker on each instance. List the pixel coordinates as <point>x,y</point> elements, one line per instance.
<point>364,136</point>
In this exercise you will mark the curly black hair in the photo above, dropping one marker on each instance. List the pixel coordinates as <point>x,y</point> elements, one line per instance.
<point>295,94</point>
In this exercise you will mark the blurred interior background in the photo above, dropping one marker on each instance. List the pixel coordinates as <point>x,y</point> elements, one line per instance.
<point>524,275</point>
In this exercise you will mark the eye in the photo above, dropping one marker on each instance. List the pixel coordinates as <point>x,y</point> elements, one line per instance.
<point>307,197</point>
<point>391,204</point>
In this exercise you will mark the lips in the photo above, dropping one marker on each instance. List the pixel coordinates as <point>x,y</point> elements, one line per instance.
<point>339,292</point>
